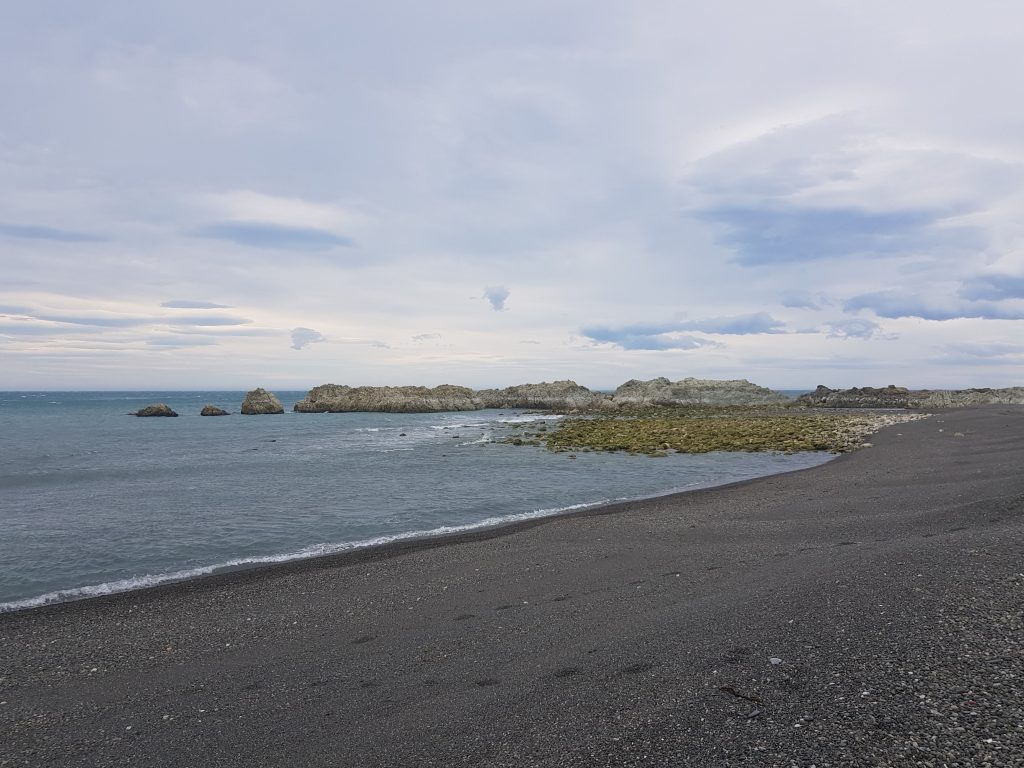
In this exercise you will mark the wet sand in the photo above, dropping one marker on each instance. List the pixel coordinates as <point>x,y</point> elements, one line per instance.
<point>865,612</point>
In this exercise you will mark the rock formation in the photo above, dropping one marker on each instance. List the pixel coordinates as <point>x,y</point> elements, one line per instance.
<point>558,395</point>
<point>334,398</point>
<point>860,397</point>
<point>157,409</point>
<point>212,410</point>
<point>901,397</point>
<point>692,391</point>
<point>259,401</point>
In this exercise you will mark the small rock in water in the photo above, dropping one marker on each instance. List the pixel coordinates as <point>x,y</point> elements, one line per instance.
<point>158,409</point>
<point>213,410</point>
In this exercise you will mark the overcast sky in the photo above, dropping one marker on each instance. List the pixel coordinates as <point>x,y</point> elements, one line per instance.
<point>208,194</point>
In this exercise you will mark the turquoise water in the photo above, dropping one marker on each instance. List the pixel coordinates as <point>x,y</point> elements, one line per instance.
<point>93,500</point>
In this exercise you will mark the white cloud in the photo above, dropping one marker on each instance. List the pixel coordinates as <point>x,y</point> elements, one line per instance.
<point>632,163</point>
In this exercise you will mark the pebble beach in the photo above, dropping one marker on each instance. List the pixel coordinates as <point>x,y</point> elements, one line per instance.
<point>867,611</point>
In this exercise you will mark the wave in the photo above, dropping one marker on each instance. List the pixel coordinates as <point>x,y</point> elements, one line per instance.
<point>314,550</point>
<point>533,417</point>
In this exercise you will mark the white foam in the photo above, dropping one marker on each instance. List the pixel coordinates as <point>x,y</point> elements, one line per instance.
<point>534,417</point>
<point>315,550</point>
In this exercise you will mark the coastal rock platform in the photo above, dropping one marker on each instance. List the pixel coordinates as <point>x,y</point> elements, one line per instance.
<point>869,611</point>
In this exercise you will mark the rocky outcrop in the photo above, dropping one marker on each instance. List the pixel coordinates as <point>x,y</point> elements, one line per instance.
<point>335,398</point>
<point>212,410</point>
<point>259,402</point>
<point>692,391</point>
<point>963,398</point>
<point>558,395</point>
<point>860,397</point>
<point>901,397</point>
<point>157,409</point>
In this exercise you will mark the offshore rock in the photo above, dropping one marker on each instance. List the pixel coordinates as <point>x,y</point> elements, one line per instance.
<point>212,410</point>
<point>557,395</point>
<point>692,391</point>
<point>158,409</point>
<point>259,402</point>
<point>335,398</point>
<point>901,397</point>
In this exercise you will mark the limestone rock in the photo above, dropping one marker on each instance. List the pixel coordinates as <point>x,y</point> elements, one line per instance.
<point>157,409</point>
<point>212,410</point>
<point>259,401</point>
<point>690,391</point>
<point>334,398</point>
<point>557,395</point>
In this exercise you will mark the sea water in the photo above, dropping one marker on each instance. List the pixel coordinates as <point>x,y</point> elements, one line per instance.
<point>94,500</point>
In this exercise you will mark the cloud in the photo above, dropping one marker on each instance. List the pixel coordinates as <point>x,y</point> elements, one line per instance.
<point>189,304</point>
<point>118,320</point>
<point>421,337</point>
<point>800,300</point>
<point>302,337</point>
<point>895,304</point>
<point>675,335</point>
<point>264,235</point>
<point>780,234</point>
<point>497,295</point>
<point>992,287</point>
<point>180,341</point>
<point>629,339</point>
<point>33,232</point>
<point>992,350</point>
<point>856,328</point>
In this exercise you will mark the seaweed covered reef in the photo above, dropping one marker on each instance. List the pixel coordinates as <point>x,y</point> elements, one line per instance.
<point>656,432</point>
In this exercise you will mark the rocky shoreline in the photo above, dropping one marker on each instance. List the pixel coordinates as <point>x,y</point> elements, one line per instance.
<point>864,612</point>
<point>632,397</point>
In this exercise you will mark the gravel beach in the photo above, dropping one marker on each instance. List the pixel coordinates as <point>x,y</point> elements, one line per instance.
<point>867,612</point>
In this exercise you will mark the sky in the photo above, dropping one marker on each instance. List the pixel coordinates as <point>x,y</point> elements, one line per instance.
<point>481,193</point>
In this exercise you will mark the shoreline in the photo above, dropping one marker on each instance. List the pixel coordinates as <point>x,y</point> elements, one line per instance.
<point>867,611</point>
<point>357,552</point>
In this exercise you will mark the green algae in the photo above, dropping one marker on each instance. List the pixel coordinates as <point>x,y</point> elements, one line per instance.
<point>656,432</point>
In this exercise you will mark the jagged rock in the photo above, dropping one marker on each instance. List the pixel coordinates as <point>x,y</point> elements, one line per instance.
<point>158,409</point>
<point>212,410</point>
<point>692,391</point>
<point>558,395</point>
<point>334,398</point>
<point>259,402</point>
<point>860,397</point>
<point>963,398</point>
<point>901,397</point>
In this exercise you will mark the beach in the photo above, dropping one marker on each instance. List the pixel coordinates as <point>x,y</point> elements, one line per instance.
<point>867,611</point>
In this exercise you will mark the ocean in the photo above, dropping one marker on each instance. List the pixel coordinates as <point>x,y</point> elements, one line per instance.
<point>94,500</point>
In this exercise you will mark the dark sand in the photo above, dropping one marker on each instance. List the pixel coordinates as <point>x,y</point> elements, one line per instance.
<point>888,585</point>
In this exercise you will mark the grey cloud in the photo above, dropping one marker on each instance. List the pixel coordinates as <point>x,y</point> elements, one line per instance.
<point>421,337</point>
<point>34,232</point>
<point>992,288</point>
<point>497,296</point>
<point>674,335</point>
<point>189,304</point>
<point>800,300</point>
<point>266,235</point>
<point>627,339</point>
<point>779,234</point>
<point>302,337</point>
<point>126,321</point>
<point>857,328</point>
<point>993,350</point>
<point>180,341</point>
<point>895,305</point>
